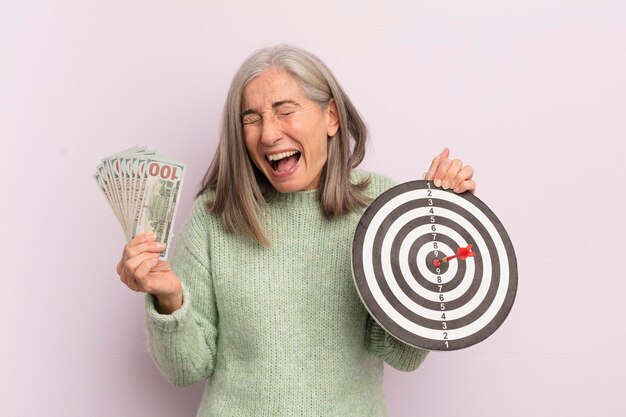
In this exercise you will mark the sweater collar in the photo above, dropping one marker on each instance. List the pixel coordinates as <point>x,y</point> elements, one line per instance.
<point>296,199</point>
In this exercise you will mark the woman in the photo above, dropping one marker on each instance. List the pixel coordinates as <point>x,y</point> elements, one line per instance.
<point>259,299</point>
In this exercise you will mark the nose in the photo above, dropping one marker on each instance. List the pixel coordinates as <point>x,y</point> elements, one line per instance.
<point>271,131</point>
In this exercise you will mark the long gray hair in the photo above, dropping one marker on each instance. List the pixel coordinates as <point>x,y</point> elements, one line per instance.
<point>240,186</point>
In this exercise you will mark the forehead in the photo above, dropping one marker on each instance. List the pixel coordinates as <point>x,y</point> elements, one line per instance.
<point>270,87</point>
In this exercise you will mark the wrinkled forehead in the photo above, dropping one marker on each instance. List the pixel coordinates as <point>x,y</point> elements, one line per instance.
<point>271,86</point>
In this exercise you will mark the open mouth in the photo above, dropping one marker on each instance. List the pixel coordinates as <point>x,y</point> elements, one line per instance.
<point>284,162</point>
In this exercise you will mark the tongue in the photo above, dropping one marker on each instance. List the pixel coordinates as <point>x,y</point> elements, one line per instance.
<point>288,163</point>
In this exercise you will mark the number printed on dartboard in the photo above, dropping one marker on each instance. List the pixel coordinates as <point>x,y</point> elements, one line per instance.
<point>437,255</point>
<point>435,269</point>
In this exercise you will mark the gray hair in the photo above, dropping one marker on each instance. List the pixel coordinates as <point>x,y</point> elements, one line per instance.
<point>239,185</point>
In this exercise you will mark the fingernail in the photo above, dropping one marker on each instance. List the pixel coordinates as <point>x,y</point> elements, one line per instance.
<point>445,185</point>
<point>160,245</point>
<point>437,183</point>
<point>151,235</point>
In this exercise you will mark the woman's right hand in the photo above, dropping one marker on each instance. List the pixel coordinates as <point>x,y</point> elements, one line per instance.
<point>141,270</point>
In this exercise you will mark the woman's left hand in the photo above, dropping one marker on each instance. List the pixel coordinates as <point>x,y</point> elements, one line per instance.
<point>450,174</point>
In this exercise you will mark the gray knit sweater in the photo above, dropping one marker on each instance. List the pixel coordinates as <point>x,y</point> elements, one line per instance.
<point>279,330</point>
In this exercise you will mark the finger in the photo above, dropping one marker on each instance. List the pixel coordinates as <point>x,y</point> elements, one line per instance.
<point>440,174</point>
<point>120,264</point>
<point>142,238</point>
<point>133,286</point>
<point>468,185</point>
<point>131,265</point>
<point>454,169</point>
<point>129,282</point>
<point>153,247</point>
<point>466,173</point>
<point>137,240</point>
<point>435,163</point>
<point>161,266</point>
<point>142,272</point>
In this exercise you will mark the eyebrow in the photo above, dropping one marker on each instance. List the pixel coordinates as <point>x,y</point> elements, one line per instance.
<point>274,106</point>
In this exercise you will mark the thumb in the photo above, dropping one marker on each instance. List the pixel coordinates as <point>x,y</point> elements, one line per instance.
<point>435,164</point>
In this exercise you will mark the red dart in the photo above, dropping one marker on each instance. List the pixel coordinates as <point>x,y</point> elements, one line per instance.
<point>461,253</point>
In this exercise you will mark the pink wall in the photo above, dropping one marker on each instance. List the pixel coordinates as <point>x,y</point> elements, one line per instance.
<point>532,93</point>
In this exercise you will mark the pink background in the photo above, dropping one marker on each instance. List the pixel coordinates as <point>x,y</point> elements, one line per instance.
<point>532,93</point>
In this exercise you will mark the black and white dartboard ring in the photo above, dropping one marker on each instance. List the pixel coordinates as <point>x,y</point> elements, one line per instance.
<point>449,307</point>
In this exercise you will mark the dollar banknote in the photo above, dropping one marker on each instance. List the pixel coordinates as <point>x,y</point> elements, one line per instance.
<point>143,189</point>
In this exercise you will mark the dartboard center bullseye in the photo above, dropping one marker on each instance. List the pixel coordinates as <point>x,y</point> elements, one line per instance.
<point>434,264</point>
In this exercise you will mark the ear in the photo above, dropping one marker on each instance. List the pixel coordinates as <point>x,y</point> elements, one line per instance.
<point>332,117</point>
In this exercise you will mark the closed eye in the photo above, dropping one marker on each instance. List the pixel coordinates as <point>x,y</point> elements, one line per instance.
<point>281,109</point>
<point>251,118</point>
<point>286,107</point>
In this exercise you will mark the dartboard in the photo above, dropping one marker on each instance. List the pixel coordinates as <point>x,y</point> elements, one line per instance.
<point>435,269</point>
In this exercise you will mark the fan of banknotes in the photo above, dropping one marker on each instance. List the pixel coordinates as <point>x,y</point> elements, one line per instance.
<point>143,189</point>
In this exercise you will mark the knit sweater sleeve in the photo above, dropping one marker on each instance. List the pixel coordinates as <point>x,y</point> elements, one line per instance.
<point>183,344</point>
<point>379,342</point>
